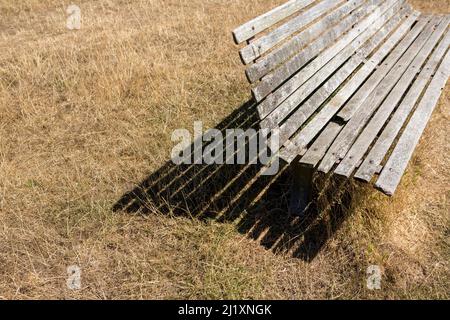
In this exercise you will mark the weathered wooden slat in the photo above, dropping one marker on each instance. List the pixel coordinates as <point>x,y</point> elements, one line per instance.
<point>315,153</point>
<point>268,41</point>
<point>299,117</point>
<point>371,164</point>
<point>276,78</point>
<point>369,133</point>
<point>294,100</point>
<point>358,121</point>
<point>261,23</point>
<point>293,46</point>
<point>398,161</point>
<point>312,129</point>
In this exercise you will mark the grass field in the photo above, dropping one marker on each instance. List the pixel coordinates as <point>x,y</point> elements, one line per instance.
<point>88,114</point>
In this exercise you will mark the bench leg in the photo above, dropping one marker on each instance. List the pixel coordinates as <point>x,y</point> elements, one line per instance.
<point>301,189</point>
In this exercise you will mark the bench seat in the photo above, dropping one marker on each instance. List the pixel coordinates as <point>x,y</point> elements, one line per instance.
<point>347,86</point>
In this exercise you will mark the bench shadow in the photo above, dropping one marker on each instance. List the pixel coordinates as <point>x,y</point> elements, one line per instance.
<point>257,204</point>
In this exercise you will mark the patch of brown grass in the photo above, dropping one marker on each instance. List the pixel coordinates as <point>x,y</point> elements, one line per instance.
<point>431,6</point>
<point>89,113</point>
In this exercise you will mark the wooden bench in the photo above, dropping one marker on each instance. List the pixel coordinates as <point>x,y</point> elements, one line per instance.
<point>348,86</point>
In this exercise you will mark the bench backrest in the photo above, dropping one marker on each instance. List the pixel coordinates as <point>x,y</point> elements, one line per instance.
<point>286,47</point>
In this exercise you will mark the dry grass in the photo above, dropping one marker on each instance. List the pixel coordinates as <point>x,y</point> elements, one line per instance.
<point>87,114</point>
